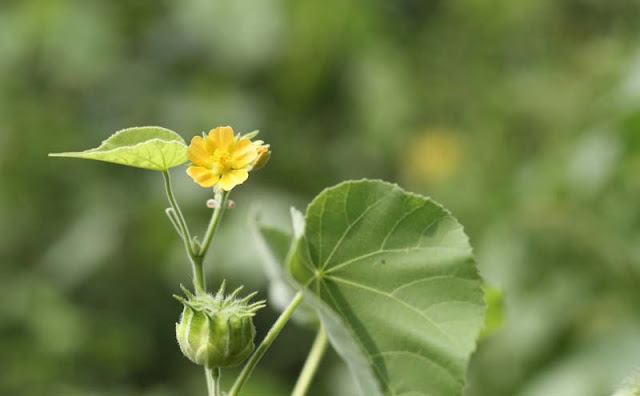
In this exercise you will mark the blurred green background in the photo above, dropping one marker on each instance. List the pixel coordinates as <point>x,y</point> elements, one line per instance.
<point>522,117</point>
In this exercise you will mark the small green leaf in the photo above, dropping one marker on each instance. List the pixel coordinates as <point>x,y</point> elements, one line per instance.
<point>275,246</point>
<point>152,148</point>
<point>393,279</point>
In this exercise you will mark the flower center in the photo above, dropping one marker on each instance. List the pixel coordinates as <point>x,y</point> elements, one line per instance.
<point>222,160</point>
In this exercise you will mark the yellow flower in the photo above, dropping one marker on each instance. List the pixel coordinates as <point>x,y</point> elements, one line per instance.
<point>222,159</point>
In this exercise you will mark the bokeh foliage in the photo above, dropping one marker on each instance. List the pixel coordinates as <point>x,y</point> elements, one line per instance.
<point>523,117</point>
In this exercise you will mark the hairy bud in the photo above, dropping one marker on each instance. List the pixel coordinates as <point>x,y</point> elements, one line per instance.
<point>217,331</point>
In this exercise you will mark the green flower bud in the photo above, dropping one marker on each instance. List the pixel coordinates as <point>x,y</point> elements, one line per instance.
<point>217,331</point>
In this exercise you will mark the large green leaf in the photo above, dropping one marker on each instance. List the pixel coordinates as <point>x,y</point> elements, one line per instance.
<point>152,148</point>
<point>395,284</point>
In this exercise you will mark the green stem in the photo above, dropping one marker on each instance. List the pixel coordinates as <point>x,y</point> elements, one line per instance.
<point>182,224</point>
<point>213,381</point>
<point>171,214</point>
<point>221,200</point>
<point>199,283</point>
<point>177,219</point>
<point>312,363</point>
<point>265,344</point>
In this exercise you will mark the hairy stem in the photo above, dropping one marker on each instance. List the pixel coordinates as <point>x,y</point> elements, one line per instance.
<point>177,219</point>
<point>265,344</point>
<point>221,199</point>
<point>312,363</point>
<point>213,381</point>
<point>182,224</point>
<point>199,282</point>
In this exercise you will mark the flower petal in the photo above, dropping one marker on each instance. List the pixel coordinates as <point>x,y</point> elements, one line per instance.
<point>231,179</point>
<point>221,138</point>
<point>197,152</point>
<point>203,176</point>
<point>243,153</point>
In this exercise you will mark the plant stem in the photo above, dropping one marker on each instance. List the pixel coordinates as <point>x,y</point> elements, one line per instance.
<point>199,282</point>
<point>221,199</point>
<point>213,381</point>
<point>179,222</point>
<point>186,236</point>
<point>173,218</point>
<point>265,344</point>
<point>312,363</point>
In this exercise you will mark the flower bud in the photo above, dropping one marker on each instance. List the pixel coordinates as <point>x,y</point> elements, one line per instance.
<point>264,153</point>
<point>212,203</point>
<point>217,331</point>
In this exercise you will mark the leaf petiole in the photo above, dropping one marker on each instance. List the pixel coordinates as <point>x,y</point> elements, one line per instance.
<point>311,364</point>
<point>265,344</point>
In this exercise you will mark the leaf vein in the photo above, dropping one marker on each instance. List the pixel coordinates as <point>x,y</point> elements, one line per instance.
<point>447,370</point>
<point>350,226</point>
<point>400,221</point>
<point>426,278</point>
<point>371,254</point>
<point>386,384</point>
<point>397,300</point>
<point>321,225</point>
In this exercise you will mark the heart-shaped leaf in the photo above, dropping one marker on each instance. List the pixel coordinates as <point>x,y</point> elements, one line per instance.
<point>152,148</point>
<point>394,281</point>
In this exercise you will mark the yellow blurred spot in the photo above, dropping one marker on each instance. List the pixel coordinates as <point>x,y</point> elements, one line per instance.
<point>433,156</point>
